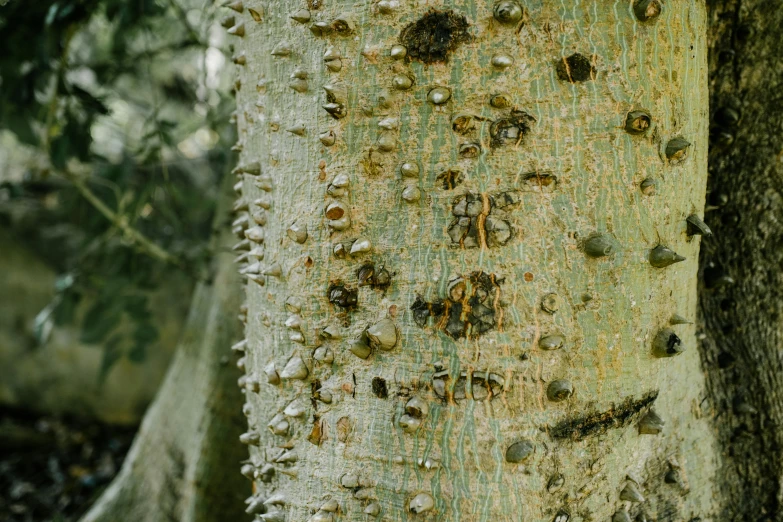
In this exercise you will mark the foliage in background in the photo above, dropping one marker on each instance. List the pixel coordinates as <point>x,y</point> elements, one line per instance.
<point>120,101</point>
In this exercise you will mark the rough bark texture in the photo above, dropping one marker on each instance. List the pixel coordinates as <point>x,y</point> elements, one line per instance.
<point>482,177</point>
<point>740,288</point>
<point>179,467</point>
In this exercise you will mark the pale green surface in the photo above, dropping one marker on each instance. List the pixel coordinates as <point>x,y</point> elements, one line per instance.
<point>579,137</point>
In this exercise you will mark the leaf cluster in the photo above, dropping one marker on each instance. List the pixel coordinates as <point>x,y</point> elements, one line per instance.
<point>107,88</point>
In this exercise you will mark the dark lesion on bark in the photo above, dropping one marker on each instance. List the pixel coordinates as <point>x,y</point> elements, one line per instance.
<point>378,277</point>
<point>434,36</point>
<point>379,388</point>
<point>342,296</point>
<point>575,68</point>
<point>471,309</point>
<point>510,130</point>
<point>464,124</point>
<point>539,181</point>
<point>449,179</point>
<point>597,422</point>
<point>315,393</point>
<point>317,434</point>
<point>481,220</point>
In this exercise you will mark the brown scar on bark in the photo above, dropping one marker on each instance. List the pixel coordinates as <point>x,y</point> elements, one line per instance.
<point>595,423</point>
<point>469,315</point>
<point>480,219</point>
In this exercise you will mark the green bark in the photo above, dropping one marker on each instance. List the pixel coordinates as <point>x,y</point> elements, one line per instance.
<point>521,192</point>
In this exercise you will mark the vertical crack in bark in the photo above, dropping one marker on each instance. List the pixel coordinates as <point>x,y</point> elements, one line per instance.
<point>481,220</point>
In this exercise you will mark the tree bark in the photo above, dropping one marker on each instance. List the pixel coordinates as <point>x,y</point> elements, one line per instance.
<point>179,467</point>
<point>740,288</point>
<point>463,297</point>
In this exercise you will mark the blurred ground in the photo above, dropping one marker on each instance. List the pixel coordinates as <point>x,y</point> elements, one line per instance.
<point>51,469</point>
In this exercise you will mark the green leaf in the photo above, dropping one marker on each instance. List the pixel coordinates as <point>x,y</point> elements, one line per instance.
<point>51,15</point>
<point>44,321</point>
<point>21,125</point>
<point>112,352</point>
<point>73,142</point>
<point>102,317</point>
<point>145,333</point>
<point>88,101</point>
<point>138,353</point>
<point>59,152</point>
<point>65,313</point>
<point>136,305</point>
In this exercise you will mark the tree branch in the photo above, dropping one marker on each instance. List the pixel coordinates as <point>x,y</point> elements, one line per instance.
<point>137,238</point>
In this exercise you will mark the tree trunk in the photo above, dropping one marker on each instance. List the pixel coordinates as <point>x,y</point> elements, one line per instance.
<point>179,467</point>
<point>465,226</point>
<point>740,291</point>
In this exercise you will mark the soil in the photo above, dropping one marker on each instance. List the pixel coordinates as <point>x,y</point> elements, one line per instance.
<point>52,469</point>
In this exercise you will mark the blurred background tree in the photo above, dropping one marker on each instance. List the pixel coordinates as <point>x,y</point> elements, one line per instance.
<point>115,134</point>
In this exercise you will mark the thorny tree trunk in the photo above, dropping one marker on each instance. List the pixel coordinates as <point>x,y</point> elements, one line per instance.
<point>458,224</point>
<point>180,465</point>
<point>740,291</point>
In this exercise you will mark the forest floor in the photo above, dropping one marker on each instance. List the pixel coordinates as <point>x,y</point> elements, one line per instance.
<point>52,469</point>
